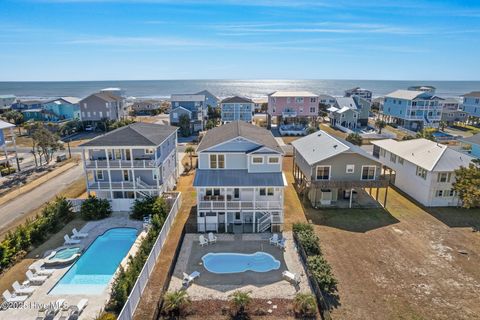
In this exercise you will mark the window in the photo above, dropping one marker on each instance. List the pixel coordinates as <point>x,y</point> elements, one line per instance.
<point>393,158</point>
<point>421,173</point>
<point>236,193</point>
<point>312,109</point>
<point>313,100</point>
<point>400,160</point>
<point>368,172</point>
<point>149,151</point>
<point>108,114</point>
<point>217,161</point>
<point>100,113</point>
<point>88,113</point>
<point>273,160</point>
<point>212,192</point>
<point>154,174</point>
<point>451,193</point>
<point>270,191</point>
<point>126,175</point>
<point>262,191</point>
<point>444,177</point>
<point>350,168</point>
<point>323,172</point>
<point>439,193</point>
<point>299,100</point>
<point>118,154</point>
<point>383,152</point>
<point>257,160</point>
<point>99,175</point>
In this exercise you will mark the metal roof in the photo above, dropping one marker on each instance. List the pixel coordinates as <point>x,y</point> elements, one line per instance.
<point>5,125</point>
<point>187,97</point>
<point>136,134</point>
<point>238,178</point>
<point>236,99</point>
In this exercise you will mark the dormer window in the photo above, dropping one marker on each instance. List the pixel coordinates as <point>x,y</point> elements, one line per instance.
<point>257,160</point>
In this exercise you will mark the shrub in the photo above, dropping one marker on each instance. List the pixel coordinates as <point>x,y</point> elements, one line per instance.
<point>355,139</point>
<point>305,305</point>
<point>6,171</point>
<point>240,301</point>
<point>106,316</point>
<point>175,302</point>
<point>307,238</point>
<point>94,208</point>
<point>322,272</point>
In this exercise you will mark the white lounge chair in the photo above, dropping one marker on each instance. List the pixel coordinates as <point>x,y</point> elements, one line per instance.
<point>212,238</point>
<point>34,279</point>
<point>274,239</point>
<point>75,311</point>
<point>202,240</point>
<point>53,308</point>
<point>21,290</point>
<point>281,243</point>
<point>70,241</point>
<point>290,276</point>
<point>187,279</point>
<point>13,297</point>
<point>39,271</point>
<point>78,235</point>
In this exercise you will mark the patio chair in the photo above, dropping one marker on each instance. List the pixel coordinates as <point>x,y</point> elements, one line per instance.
<point>291,277</point>
<point>69,241</point>
<point>34,279</point>
<point>22,290</point>
<point>274,239</point>
<point>187,279</point>
<point>76,310</point>
<point>281,243</point>
<point>202,240</point>
<point>212,238</point>
<point>53,308</point>
<point>39,271</point>
<point>78,235</point>
<point>13,297</point>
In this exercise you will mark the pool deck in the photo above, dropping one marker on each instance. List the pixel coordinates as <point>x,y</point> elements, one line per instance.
<point>265,285</point>
<point>96,303</point>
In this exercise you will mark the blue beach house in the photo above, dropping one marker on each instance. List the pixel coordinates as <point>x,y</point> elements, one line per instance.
<point>474,143</point>
<point>471,103</point>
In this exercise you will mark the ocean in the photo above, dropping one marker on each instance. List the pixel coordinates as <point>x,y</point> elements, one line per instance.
<point>225,88</point>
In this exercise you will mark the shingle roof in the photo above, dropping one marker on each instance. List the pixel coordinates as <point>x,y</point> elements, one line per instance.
<point>105,96</point>
<point>240,178</point>
<point>475,94</point>
<point>320,146</point>
<point>136,134</point>
<point>427,154</point>
<point>237,99</point>
<point>293,94</point>
<point>239,129</point>
<point>187,97</point>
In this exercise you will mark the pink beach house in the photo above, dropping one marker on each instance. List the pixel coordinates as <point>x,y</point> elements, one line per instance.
<point>292,104</point>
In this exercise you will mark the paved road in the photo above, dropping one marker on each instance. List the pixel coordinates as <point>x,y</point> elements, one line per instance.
<point>15,209</point>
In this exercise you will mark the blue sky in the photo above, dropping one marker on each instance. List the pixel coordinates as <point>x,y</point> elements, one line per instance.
<point>239,39</point>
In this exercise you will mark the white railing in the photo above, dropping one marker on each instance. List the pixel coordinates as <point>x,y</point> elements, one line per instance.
<point>130,306</point>
<point>232,205</point>
<point>120,185</point>
<point>287,114</point>
<point>94,164</point>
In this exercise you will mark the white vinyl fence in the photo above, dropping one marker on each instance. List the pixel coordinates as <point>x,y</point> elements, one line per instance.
<point>134,297</point>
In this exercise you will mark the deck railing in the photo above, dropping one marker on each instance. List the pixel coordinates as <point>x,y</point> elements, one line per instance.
<point>244,205</point>
<point>101,164</point>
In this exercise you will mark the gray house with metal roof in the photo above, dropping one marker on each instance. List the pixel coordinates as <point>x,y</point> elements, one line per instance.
<point>331,171</point>
<point>237,108</point>
<point>239,180</point>
<point>131,162</point>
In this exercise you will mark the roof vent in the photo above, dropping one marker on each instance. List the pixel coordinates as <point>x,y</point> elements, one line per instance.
<point>319,135</point>
<point>335,146</point>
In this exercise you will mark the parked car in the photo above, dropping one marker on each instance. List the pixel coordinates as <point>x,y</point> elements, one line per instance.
<point>61,157</point>
<point>89,128</point>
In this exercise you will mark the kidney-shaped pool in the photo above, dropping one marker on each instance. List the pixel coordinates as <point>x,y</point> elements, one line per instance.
<point>240,262</point>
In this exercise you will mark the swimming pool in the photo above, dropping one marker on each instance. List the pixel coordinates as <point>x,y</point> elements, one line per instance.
<point>95,268</point>
<point>239,262</point>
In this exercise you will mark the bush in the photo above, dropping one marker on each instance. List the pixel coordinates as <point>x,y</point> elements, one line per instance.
<point>307,238</point>
<point>305,305</point>
<point>354,138</point>
<point>6,171</point>
<point>175,302</point>
<point>94,208</point>
<point>240,301</point>
<point>106,316</point>
<point>322,272</point>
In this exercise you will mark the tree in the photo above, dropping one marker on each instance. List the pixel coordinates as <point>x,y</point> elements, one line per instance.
<point>210,124</point>
<point>190,150</point>
<point>214,113</point>
<point>240,301</point>
<point>45,143</point>
<point>175,302</point>
<point>380,124</point>
<point>94,208</point>
<point>442,124</point>
<point>467,185</point>
<point>184,123</point>
<point>305,305</point>
<point>264,107</point>
<point>426,133</point>
<point>70,127</point>
<point>14,117</point>
<point>355,139</point>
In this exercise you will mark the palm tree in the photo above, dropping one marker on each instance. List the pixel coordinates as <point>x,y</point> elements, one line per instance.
<point>240,301</point>
<point>190,150</point>
<point>175,301</point>
<point>305,305</point>
<point>380,124</point>
<point>442,125</point>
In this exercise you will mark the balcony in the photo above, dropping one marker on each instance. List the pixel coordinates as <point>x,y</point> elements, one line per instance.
<point>221,204</point>
<point>289,114</point>
<point>120,185</point>
<point>104,164</point>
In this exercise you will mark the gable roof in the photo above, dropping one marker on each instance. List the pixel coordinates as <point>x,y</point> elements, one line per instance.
<point>187,97</point>
<point>475,94</point>
<point>427,154</point>
<point>320,146</point>
<point>236,99</point>
<point>278,94</point>
<point>236,129</point>
<point>184,109</point>
<point>105,96</point>
<point>135,134</point>
<point>347,102</point>
<point>70,100</point>
<point>405,94</point>
<point>206,92</point>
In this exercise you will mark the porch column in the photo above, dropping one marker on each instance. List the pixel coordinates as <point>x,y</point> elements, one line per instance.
<point>12,133</point>
<point>351,196</point>
<point>109,172</point>
<point>86,171</point>
<point>385,198</point>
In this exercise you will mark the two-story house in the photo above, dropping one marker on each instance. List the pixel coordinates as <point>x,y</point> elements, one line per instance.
<point>359,92</point>
<point>329,170</point>
<point>237,108</point>
<point>471,104</point>
<point>423,169</point>
<point>191,105</point>
<point>131,162</point>
<point>6,101</point>
<point>60,109</point>
<point>291,106</point>
<point>350,113</point>
<point>239,180</point>
<point>20,105</point>
<point>452,111</point>
<point>100,106</point>
<point>210,99</point>
<point>412,110</point>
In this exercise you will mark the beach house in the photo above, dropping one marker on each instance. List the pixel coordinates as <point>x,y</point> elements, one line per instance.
<point>60,109</point>
<point>423,169</point>
<point>237,108</point>
<point>452,111</point>
<point>349,113</point>
<point>292,106</point>
<point>412,110</point>
<point>239,181</point>
<point>191,105</point>
<point>102,106</point>
<point>471,104</point>
<point>333,172</point>
<point>210,99</point>
<point>6,101</point>
<point>359,92</point>
<point>134,161</point>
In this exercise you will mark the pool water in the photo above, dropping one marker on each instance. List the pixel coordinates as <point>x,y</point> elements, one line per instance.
<point>93,271</point>
<point>65,253</point>
<point>239,262</point>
